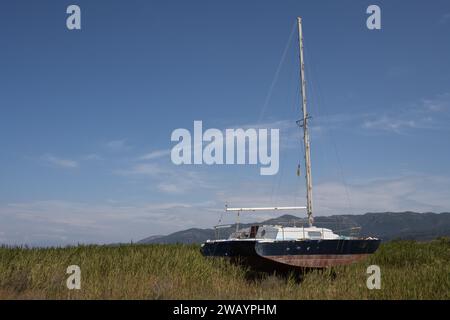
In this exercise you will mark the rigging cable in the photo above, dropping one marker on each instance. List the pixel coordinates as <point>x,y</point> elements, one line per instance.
<point>291,95</point>
<point>277,73</point>
<point>270,92</point>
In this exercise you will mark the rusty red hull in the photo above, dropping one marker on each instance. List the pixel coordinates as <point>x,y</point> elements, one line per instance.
<point>318,261</point>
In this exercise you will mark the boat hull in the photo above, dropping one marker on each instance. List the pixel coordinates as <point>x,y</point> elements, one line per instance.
<point>242,253</point>
<point>303,254</point>
<point>317,253</point>
<point>229,248</point>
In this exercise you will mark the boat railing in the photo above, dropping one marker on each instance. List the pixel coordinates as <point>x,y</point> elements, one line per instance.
<point>220,226</point>
<point>348,231</point>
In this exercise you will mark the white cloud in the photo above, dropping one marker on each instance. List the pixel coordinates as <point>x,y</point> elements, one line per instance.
<point>168,179</point>
<point>171,188</point>
<point>387,123</point>
<point>155,154</point>
<point>59,162</point>
<point>172,179</point>
<point>144,169</point>
<point>378,195</point>
<point>183,181</point>
<point>62,222</point>
<point>440,103</point>
<point>428,114</point>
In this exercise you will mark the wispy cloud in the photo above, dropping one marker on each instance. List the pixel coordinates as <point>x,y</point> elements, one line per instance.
<point>59,162</point>
<point>184,182</point>
<point>156,154</point>
<point>440,103</point>
<point>64,222</point>
<point>401,193</point>
<point>168,179</point>
<point>143,169</point>
<point>404,193</point>
<point>55,222</point>
<point>389,124</point>
<point>428,114</point>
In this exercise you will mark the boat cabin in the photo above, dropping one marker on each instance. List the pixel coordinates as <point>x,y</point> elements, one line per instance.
<point>277,232</point>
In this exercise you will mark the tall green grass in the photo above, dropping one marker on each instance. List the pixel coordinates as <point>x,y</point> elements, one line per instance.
<point>409,270</point>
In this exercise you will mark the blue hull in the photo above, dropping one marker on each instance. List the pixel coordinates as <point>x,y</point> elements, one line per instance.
<point>305,253</point>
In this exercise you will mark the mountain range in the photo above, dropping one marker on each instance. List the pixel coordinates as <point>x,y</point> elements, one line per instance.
<point>384,225</point>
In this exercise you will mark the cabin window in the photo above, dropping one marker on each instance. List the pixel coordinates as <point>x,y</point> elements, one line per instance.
<point>315,234</point>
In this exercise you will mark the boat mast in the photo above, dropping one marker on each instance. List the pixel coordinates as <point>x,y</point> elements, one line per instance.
<point>304,124</point>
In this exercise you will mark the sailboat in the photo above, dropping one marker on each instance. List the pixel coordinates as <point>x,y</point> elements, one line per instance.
<point>275,247</point>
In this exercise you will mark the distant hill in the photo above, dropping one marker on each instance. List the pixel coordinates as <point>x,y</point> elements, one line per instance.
<point>384,225</point>
<point>193,235</point>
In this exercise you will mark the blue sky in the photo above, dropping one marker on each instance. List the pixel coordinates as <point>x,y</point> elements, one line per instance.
<point>86,115</point>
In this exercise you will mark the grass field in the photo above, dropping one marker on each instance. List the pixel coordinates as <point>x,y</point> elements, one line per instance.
<point>409,270</point>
